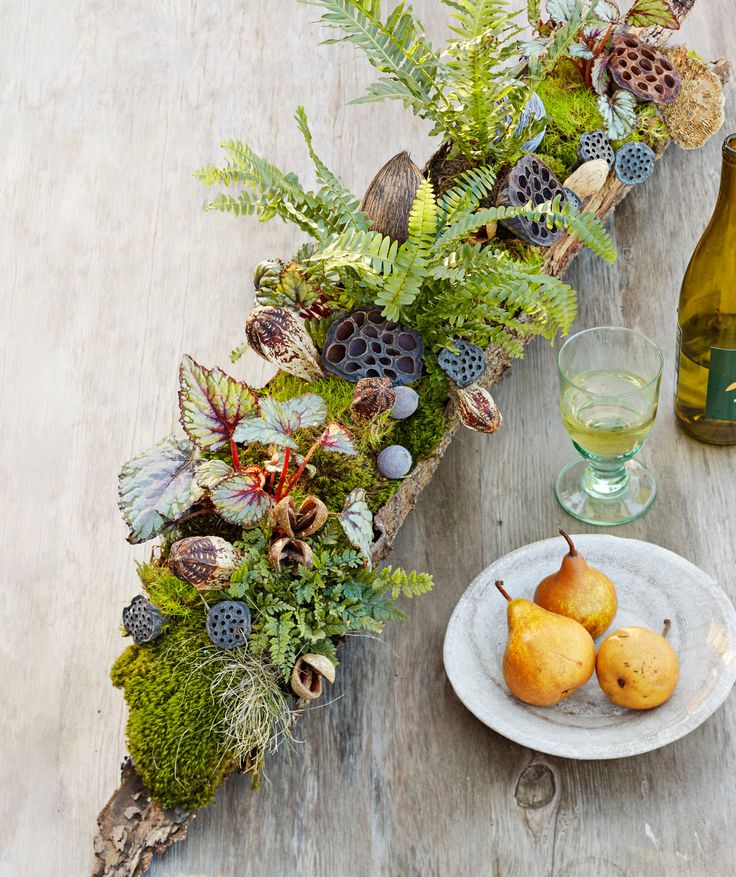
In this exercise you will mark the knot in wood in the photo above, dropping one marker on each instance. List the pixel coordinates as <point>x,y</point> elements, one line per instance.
<point>535,787</point>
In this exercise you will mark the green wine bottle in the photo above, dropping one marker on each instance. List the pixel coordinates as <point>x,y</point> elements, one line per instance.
<point>705,389</point>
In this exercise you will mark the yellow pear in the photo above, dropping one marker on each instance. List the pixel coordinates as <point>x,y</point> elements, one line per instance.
<point>547,655</point>
<point>579,591</point>
<point>637,668</point>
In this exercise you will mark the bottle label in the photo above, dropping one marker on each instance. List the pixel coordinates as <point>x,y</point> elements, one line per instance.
<point>720,403</point>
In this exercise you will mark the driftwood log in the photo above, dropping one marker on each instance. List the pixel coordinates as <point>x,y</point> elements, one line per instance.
<point>131,826</point>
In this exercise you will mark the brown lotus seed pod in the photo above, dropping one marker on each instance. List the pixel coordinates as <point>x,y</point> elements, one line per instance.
<point>697,113</point>
<point>390,195</point>
<point>277,335</point>
<point>530,180</point>
<point>372,397</point>
<point>644,71</point>
<point>477,410</point>
<point>203,561</point>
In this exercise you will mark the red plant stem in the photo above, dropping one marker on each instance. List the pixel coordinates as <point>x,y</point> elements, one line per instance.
<point>284,470</point>
<point>234,452</point>
<point>298,475</point>
<point>269,483</point>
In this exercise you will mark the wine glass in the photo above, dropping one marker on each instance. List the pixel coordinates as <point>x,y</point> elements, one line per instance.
<point>609,387</point>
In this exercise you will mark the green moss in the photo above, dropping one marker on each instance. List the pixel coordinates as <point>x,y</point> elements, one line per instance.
<point>169,593</point>
<point>180,757</point>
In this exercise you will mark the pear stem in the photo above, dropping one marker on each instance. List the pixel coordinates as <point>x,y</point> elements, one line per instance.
<point>573,550</point>
<point>499,585</point>
<point>666,627</point>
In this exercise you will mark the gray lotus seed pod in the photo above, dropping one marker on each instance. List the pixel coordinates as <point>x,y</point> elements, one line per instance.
<point>228,623</point>
<point>407,402</point>
<point>142,620</point>
<point>394,461</point>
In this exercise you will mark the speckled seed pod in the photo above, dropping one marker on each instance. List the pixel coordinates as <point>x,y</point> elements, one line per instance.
<point>477,410</point>
<point>142,620</point>
<point>634,163</point>
<point>228,624</point>
<point>643,71</point>
<point>372,397</point>
<point>365,344</point>
<point>464,367</point>
<point>394,461</point>
<point>594,145</point>
<point>407,402</point>
<point>203,561</point>
<point>277,335</point>
<point>530,180</point>
<point>390,195</point>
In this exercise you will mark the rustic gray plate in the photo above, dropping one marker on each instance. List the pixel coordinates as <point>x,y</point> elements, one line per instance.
<point>652,584</point>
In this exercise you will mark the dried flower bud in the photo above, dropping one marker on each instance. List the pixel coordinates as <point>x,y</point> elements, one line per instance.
<point>292,552</point>
<point>308,673</point>
<point>477,410</point>
<point>304,521</point>
<point>390,195</point>
<point>372,397</point>
<point>278,336</point>
<point>203,561</point>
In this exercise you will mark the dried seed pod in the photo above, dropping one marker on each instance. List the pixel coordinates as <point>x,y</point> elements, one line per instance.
<point>372,397</point>
<point>308,673</point>
<point>698,111</point>
<point>228,624</point>
<point>589,178</point>
<point>464,367</point>
<point>390,195</point>
<point>304,521</point>
<point>203,561</point>
<point>642,70</point>
<point>594,145</point>
<point>634,163</point>
<point>290,552</point>
<point>477,410</point>
<point>277,335</point>
<point>142,620</point>
<point>364,344</point>
<point>572,198</point>
<point>530,180</point>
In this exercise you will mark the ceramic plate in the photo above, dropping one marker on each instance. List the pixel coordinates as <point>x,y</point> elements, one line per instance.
<point>652,584</point>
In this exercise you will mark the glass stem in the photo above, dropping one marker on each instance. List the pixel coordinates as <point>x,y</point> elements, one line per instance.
<point>605,477</point>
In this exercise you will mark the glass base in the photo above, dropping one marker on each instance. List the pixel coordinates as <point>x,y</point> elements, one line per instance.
<point>625,504</point>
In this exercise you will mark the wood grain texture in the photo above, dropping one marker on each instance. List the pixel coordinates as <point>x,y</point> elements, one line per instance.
<point>110,274</point>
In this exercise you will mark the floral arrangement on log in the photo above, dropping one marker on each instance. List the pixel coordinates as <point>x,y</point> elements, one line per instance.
<point>382,326</point>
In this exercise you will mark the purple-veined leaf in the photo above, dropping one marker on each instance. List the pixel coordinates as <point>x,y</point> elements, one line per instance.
<point>618,113</point>
<point>607,11</point>
<point>356,520</point>
<point>561,11</point>
<point>279,420</point>
<point>157,487</point>
<point>645,13</point>
<point>599,76</point>
<point>211,403</point>
<point>579,50</point>
<point>212,472</point>
<point>337,438</point>
<point>241,499</point>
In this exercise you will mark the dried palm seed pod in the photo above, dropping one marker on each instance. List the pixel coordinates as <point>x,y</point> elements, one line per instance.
<point>365,344</point>
<point>533,111</point>
<point>277,335</point>
<point>394,461</point>
<point>203,561</point>
<point>142,620</point>
<point>372,397</point>
<point>407,402</point>
<point>530,180</point>
<point>390,195</point>
<point>634,163</point>
<point>594,145</point>
<point>290,552</point>
<point>464,367</point>
<point>589,178</point>
<point>698,111</point>
<point>477,410</point>
<point>228,624</point>
<point>308,673</point>
<point>642,70</point>
<point>304,521</point>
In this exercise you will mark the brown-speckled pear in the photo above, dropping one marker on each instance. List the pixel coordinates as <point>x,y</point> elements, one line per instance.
<point>637,668</point>
<point>579,591</point>
<point>547,655</point>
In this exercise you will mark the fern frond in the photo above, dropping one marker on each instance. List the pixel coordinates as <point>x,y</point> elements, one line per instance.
<point>585,226</point>
<point>364,250</point>
<point>470,220</point>
<point>471,188</point>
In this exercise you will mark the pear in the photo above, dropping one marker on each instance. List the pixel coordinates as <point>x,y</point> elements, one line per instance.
<point>637,668</point>
<point>547,655</point>
<point>579,591</point>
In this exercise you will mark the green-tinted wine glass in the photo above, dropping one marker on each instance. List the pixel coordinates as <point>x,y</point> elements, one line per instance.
<point>609,387</point>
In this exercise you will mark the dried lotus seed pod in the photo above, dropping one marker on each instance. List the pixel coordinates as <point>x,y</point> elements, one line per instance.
<point>228,624</point>
<point>642,70</point>
<point>634,163</point>
<point>390,195</point>
<point>372,397</point>
<point>530,180</point>
<point>594,145</point>
<point>464,367</point>
<point>142,620</point>
<point>572,198</point>
<point>203,561</point>
<point>277,335</point>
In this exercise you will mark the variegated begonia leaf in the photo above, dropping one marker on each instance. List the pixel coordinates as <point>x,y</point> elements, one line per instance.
<point>157,487</point>
<point>212,472</point>
<point>646,13</point>
<point>607,11</point>
<point>579,50</point>
<point>561,11</point>
<point>212,403</point>
<point>357,521</point>
<point>241,498</point>
<point>599,76</point>
<point>279,420</point>
<point>618,113</point>
<point>337,438</point>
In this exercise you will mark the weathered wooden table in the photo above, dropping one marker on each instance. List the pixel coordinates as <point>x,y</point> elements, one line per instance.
<point>110,273</point>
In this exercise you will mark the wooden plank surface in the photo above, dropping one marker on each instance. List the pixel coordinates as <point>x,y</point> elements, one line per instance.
<point>111,272</point>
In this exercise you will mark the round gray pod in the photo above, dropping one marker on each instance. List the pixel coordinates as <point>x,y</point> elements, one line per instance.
<point>595,144</point>
<point>394,461</point>
<point>465,366</point>
<point>634,163</point>
<point>228,624</point>
<point>407,402</point>
<point>142,620</point>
